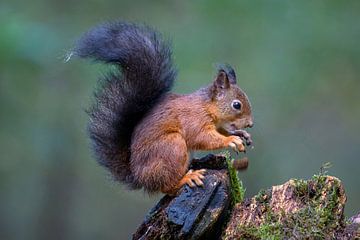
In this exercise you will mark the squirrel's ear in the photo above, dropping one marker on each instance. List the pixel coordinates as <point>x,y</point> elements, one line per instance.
<point>222,80</point>
<point>226,76</point>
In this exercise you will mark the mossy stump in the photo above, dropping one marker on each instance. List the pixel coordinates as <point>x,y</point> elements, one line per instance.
<point>297,209</point>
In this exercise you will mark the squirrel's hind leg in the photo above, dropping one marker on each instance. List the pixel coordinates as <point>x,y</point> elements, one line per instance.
<point>161,166</point>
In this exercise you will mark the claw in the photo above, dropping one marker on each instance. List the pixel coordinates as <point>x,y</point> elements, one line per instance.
<point>198,182</point>
<point>233,146</point>
<point>201,171</point>
<point>237,144</point>
<point>243,135</point>
<point>195,176</point>
<point>190,183</point>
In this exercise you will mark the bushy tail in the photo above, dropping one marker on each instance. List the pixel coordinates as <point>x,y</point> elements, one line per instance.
<point>144,74</point>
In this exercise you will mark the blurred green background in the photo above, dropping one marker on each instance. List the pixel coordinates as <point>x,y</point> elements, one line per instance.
<point>299,62</point>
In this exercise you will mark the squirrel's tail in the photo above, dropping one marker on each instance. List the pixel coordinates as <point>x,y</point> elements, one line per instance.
<point>144,73</point>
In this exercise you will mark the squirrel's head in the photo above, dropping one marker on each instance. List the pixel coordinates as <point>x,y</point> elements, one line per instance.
<point>232,105</point>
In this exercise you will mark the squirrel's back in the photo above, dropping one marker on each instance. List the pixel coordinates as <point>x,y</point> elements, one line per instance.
<point>143,75</point>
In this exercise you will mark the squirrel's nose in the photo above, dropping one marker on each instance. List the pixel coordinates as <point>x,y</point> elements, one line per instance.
<point>250,124</point>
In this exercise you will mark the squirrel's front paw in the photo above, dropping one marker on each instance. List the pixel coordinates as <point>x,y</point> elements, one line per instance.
<point>244,135</point>
<point>236,143</point>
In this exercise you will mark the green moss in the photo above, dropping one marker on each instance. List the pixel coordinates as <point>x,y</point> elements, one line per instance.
<point>301,187</point>
<point>263,196</point>
<point>237,188</point>
<point>318,218</point>
<point>270,229</point>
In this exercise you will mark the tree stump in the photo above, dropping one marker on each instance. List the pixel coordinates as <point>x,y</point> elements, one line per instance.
<point>196,213</point>
<point>297,209</point>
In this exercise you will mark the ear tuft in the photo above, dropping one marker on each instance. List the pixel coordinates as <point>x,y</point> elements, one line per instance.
<point>229,71</point>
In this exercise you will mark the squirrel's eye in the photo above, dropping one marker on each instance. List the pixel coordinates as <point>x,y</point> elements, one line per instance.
<point>236,104</point>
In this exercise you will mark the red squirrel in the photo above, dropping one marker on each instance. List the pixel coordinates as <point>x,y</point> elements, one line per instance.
<point>142,132</point>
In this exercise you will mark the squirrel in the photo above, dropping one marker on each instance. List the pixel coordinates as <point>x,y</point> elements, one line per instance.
<point>140,131</point>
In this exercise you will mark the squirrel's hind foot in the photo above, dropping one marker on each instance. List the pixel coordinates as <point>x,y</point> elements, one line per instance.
<point>192,178</point>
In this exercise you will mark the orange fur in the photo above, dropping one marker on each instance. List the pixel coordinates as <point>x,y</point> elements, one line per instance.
<point>179,124</point>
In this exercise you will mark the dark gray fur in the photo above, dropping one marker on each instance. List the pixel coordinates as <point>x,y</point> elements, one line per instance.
<point>230,73</point>
<point>144,74</point>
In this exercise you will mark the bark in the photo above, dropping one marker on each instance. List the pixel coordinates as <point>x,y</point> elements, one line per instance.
<point>297,209</point>
<point>196,213</point>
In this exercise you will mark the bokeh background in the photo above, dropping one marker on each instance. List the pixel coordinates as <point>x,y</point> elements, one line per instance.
<point>299,62</point>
